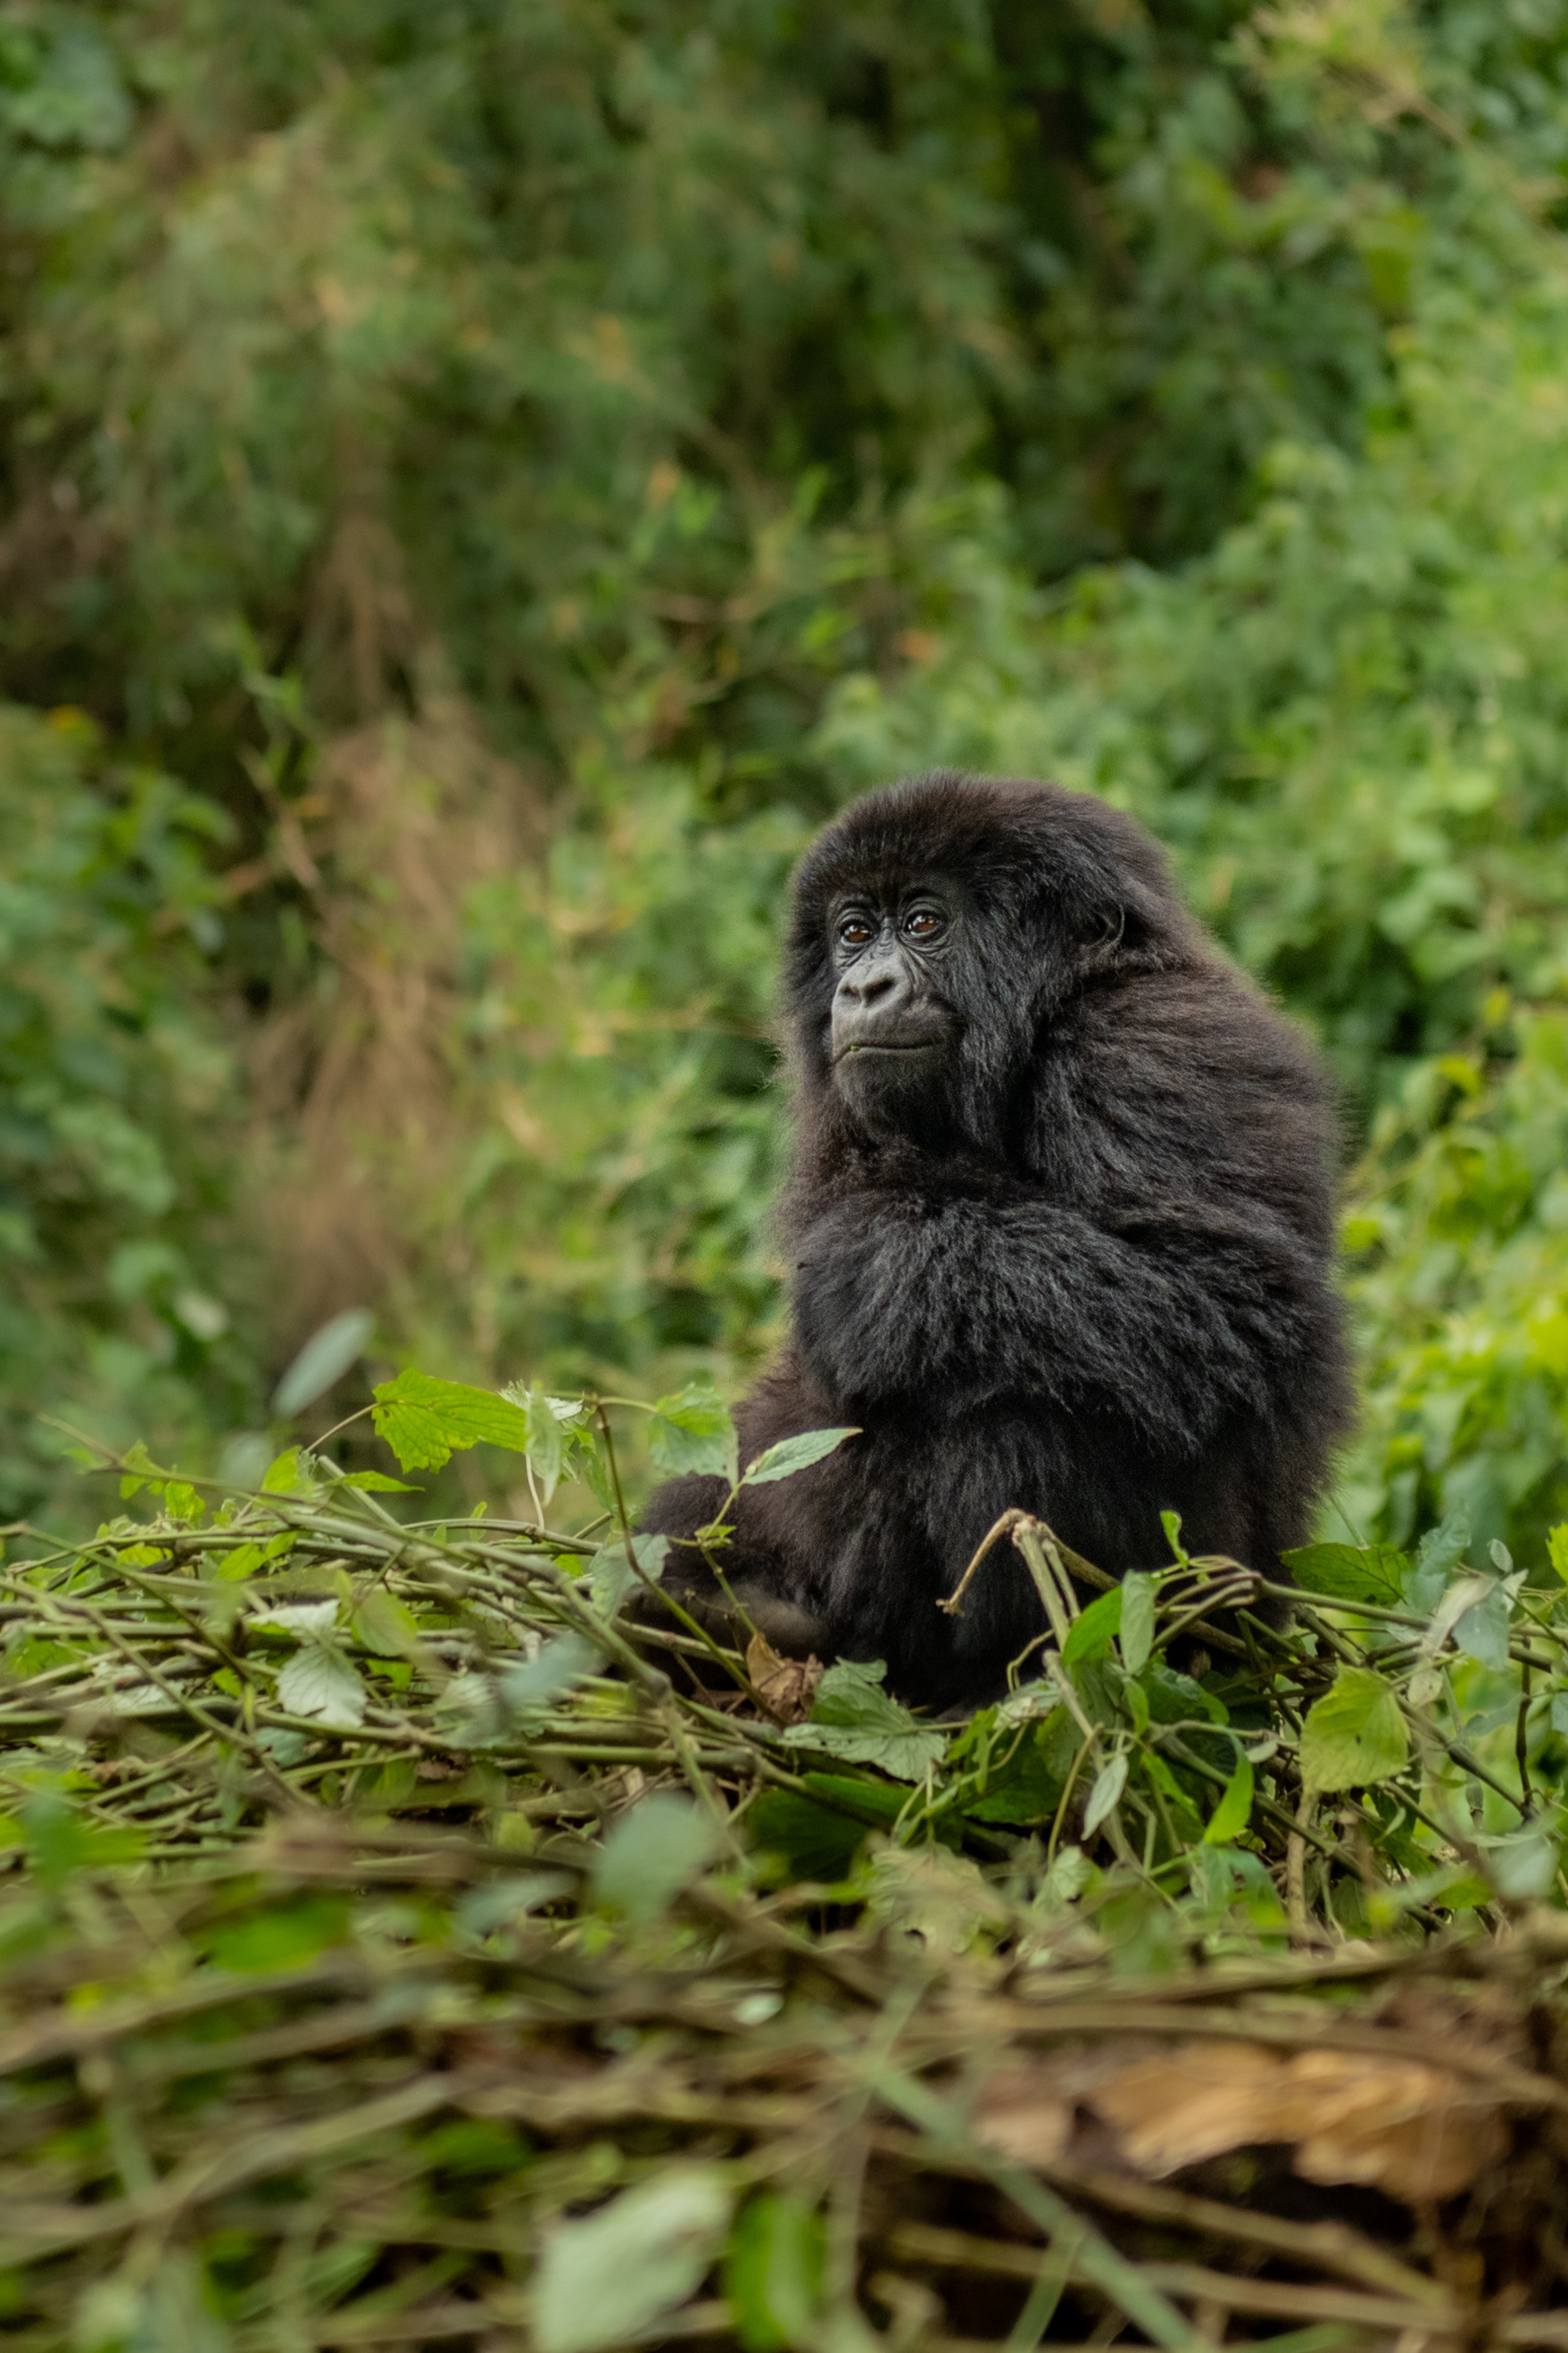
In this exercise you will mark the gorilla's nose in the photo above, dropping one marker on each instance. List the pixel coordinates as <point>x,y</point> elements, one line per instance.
<point>883,988</point>
<point>879,1003</point>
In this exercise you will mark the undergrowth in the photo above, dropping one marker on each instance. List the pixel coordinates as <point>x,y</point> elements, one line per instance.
<point>415,1932</point>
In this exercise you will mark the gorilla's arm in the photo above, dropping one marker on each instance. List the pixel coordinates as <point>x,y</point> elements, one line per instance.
<point>1174,1317</point>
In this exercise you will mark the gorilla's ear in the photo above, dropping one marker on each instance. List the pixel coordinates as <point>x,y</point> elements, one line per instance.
<point>1109,928</point>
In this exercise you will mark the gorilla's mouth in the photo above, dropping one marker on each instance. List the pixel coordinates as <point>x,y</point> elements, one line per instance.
<point>854,1047</point>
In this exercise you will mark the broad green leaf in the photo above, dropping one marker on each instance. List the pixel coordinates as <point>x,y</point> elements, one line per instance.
<point>1350,1572</point>
<point>1557,1550</point>
<point>651,1852</point>
<point>1481,1632</point>
<point>1355,1736</point>
<point>281,1935</point>
<point>692,1431</point>
<point>792,1454</point>
<point>853,1717</point>
<point>384,1625</point>
<point>1440,1553</point>
<point>772,2272</point>
<point>545,1448</point>
<point>1234,1811</point>
<point>605,2280</point>
<point>322,1681</point>
<point>1137,1627</point>
<point>1093,1632</point>
<point>611,1574</point>
<point>559,1668</point>
<point>427,1422</point>
<point>324,1358</point>
<point>290,1475</point>
<point>1109,1785</point>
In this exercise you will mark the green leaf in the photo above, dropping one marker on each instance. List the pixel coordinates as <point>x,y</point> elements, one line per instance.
<point>1234,1811</point>
<point>651,1851</point>
<point>280,1934</point>
<point>1440,1553</point>
<point>1557,1549</point>
<point>545,1448</point>
<point>322,1680</point>
<point>1482,1632</point>
<point>324,1358</point>
<point>1137,1627</point>
<point>1350,1572</point>
<point>792,1454</point>
<point>611,1573</point>
<point>559,1668</point>
<point>853,1717</point>
<point>290,1475</point>
<point>384,1625</point>
<point>1109,1785</point>
<point>1355,1736</point>
<point>1093,1632</point>
<point>692,1431</point>
<point>772,2272</point>
<point>377,1483</point>
<point>427,1422</point>
<point>606,2279</point>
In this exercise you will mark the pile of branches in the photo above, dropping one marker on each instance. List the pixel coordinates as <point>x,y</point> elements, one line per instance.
<point>346,2090</point>
<point>417,1932</point>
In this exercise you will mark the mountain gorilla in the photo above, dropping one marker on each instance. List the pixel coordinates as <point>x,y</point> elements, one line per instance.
<point>1061,1231</point>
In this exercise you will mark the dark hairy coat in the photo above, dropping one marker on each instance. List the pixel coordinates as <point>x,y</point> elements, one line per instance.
<point>1089,1273</point>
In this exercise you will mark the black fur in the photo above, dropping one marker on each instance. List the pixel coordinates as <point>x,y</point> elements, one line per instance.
<point>1072,1249</point>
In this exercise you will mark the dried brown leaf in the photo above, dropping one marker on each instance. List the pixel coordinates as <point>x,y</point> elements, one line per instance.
<point>784,1686</point>
<point>1410,2128</point>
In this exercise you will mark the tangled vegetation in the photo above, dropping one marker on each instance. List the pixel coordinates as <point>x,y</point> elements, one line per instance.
<point>414,1936</point>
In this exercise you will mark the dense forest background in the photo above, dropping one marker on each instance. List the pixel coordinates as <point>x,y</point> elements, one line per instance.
<point>480,480</point>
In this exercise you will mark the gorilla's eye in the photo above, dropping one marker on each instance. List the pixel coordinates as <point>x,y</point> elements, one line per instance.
<point>923,924</point>
<point>854,930</point>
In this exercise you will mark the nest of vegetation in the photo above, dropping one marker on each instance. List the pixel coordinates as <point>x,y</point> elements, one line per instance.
<point>405,1943</point>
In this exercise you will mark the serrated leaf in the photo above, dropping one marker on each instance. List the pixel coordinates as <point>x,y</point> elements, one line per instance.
<point>692,1431</point>
<point>301,1617</point>
<point>605,2280</point>
<point>385,1625</point>
<point>1234,1811</point>
<point>1350,1572</point>
<point>651,1852</point>
<point>1109,1785</point>
<point>793,1454</point>
<point>853,1717</point>
<point>427,1422</point>
<point>1137,1631</point>
<point>611,1574</point>
<point>545,1448</point>
<point>1481,1632</point>
<point>1440,1553</point>
<point>322,1681</point>
<point>324,1358</point>
<point>1355,1736</point>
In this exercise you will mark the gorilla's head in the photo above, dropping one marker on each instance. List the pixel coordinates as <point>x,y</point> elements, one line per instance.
<point>941,925</point>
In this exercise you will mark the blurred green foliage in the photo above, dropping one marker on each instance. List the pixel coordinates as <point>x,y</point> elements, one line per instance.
<point>518,470</point>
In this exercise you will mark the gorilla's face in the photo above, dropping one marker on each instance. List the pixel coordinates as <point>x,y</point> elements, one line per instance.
<point>895,1026</point>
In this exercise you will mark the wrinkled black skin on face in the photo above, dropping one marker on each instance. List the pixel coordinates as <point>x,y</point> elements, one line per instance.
<point>1060,1227</point>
